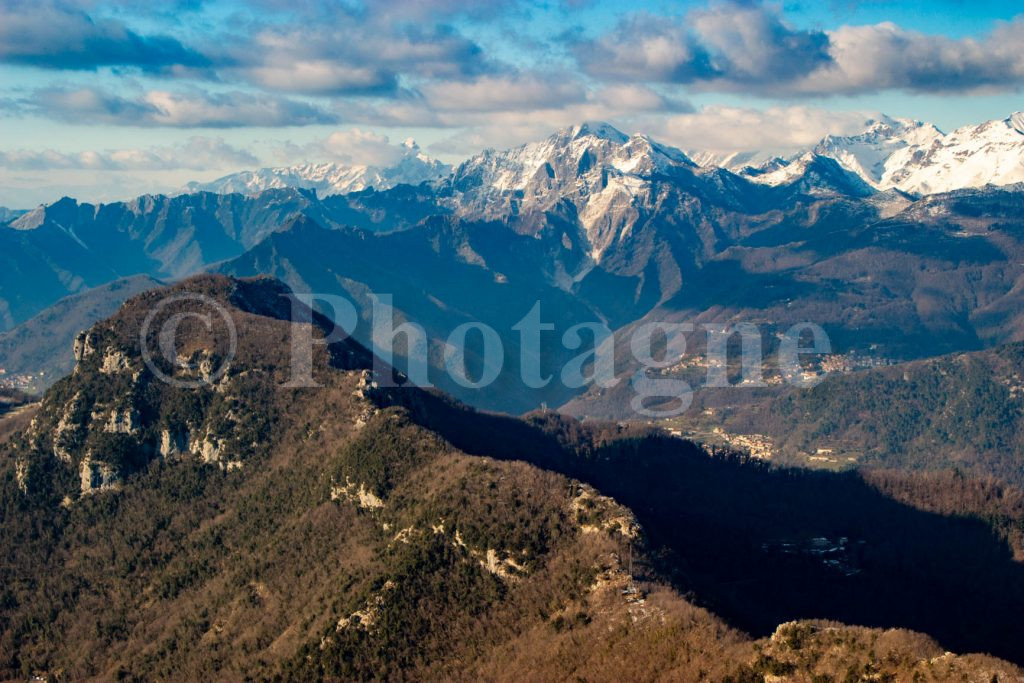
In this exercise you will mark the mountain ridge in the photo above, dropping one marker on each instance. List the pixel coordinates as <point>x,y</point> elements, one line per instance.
<point>330,178</point>
<point>589,221</point>
<point>913,156</point>
<point>890,153</point>
<point>243,528</point>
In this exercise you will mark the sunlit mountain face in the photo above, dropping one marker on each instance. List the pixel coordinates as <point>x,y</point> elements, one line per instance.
<point>436,340</point>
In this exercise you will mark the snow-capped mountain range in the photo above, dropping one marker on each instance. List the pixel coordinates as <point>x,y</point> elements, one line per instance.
<point>330,178</point>
<point>598,166</point>
<point>592,218</point>
<point>604,173</point>
<point>911,156</point>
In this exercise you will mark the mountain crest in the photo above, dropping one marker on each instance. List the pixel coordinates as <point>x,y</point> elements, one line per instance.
<point>918,158</point>
<point>598,129</point>
<point>1016,121</point>
<point>605,175</point>
<point>330,178</point>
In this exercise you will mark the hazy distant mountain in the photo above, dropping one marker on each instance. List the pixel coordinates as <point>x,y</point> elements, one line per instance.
<point>914,157</point>
<point>68,247</point>
<point>8,215</point>
<point>413,168</point>
<point>441,274</point>
<point>44,343</point>
<point>733,161</point>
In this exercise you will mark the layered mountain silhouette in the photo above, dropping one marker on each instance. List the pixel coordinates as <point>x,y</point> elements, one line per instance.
<point>332,178</point>
<point>41,346</point>
<point>593,224</point>
<point>910,156</point>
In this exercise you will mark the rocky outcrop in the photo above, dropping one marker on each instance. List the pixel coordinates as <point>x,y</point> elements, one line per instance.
<point>123,421</point>
<point>21,474</point>
<point>358,494</point>
<point>596,513</point>
<point>114,414</point>
<point>365,618</point>
<point>114,361</point>
<point>502,566</point>
<point>83,346</point>
<point>174,443</point>
<point>97,476</point>
<point>69,430</point>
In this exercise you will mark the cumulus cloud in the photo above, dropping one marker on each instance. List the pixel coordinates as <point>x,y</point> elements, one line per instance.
<point>526,100</point>
<point>184,109</point>
<point>421,63</point>
<point>744,46</point>
<point>632,97</point>
<point>58,36</point>
<point>750,44</point>
<point>731,45</point>
<point>353,146</point>
<point>646,48</point>
<point>314,75</point>
<point>352,54</point>
<point>197,153</point>
<point>328,49</point>
<point>776,130</point>
<point>885,56</point>
<point>522,92</point>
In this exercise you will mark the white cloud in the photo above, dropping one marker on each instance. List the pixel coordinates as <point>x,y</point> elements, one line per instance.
<point>353,146</point>
<point>744,46</point>
<point>55,35</point>
<point>197,153</point>
<point>887,57</point>
<point>777,130</point>
<point>632,97</point>
<point>497,112</point>
<point>192,108</point>
<point>359,55</point>
<point>729,46</point>
<point>524,92</point>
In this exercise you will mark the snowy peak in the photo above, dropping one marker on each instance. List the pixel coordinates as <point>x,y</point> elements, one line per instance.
<point>329,178</point>
<point>597,129</point>
<point>918,158</point>
<point>991,153</point>
<point>815,174</point>
<point>606,175</point>
<point>867,154</point>
<point>888,129</point>
<point>567,157</point>
<point>736,162</point>
<point>1016,121</point>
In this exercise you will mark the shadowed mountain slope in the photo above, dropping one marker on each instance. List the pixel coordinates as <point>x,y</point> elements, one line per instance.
<point>238,528</point>
<point>44,343</point>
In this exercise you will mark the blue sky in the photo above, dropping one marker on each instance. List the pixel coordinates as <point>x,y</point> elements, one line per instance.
<point>106,99</point>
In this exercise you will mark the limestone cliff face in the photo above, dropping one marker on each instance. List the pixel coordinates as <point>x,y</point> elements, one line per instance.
<point>112,416</point>
<point>117,412</point>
